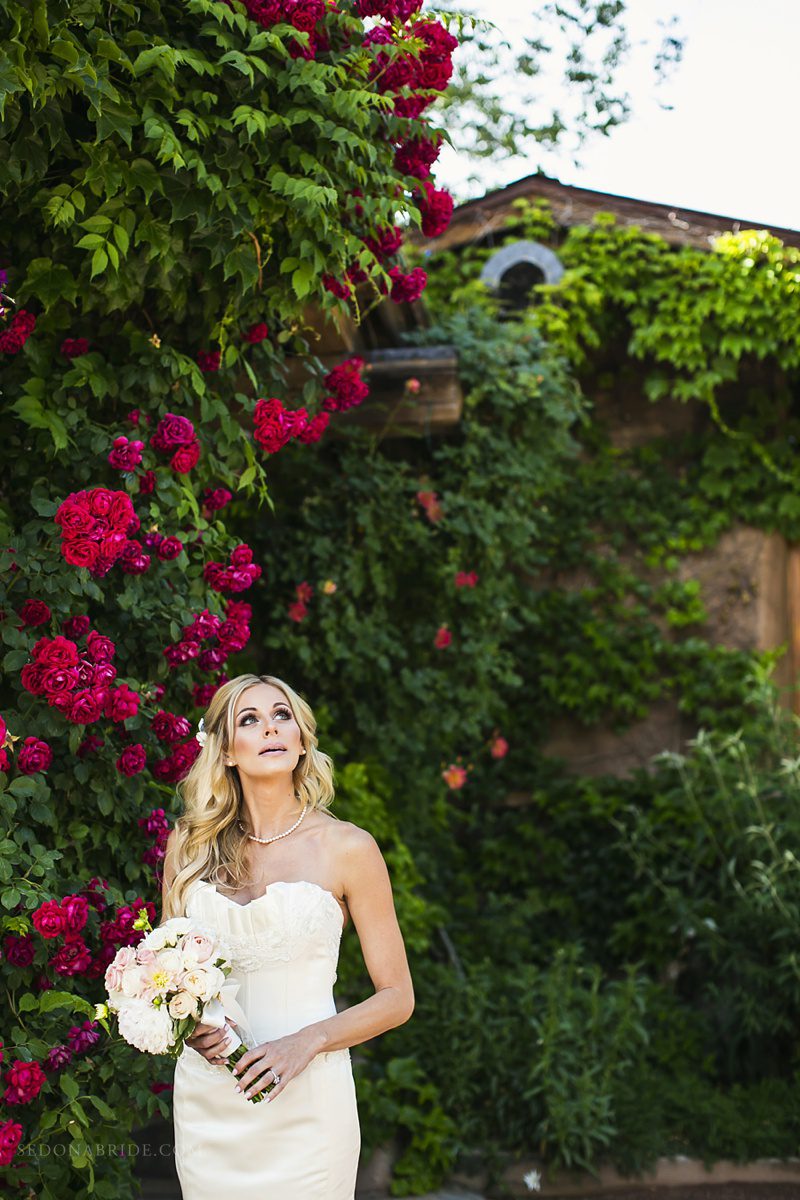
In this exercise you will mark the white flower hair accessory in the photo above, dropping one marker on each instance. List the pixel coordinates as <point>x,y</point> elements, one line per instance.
<point>201,734</point>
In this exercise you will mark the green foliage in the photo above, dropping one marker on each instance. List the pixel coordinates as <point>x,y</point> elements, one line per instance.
<point>539,1051</point>
<point>175,164</point>
<point>171,175</point>
<point>719,881</point>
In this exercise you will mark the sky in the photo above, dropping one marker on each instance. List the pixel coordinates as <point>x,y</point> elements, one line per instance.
<point>728,145</point>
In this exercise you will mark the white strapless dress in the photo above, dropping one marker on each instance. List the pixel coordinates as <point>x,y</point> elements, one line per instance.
<point>304,1144</point>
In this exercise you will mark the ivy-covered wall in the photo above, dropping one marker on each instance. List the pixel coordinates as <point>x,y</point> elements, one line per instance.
<point>593,938</point>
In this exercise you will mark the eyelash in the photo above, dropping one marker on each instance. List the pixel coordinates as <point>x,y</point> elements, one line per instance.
<point>277,711</point>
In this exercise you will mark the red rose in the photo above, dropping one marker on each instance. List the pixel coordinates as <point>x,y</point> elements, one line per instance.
<point>80,552</point>
<point>256,333</point>
<point>172,431</point>
<point>76,627</point>
<point>100,649</point>
<point>76,910</point>
<point>407,288</point>
<point>273,425</point>
<point>122,703</point>
<point>102,674</point>
<point>314,429</point>
<point>34,612</point>
<point>57,680</point>
<point>34,756</point>
<point>185,457</point>
<point>25,1080</point>
<point>241,555</point>
<point>55,652</point>
<point>31,676</point>
<point>208,360</point>
<point>73,958</point>
<point>73,517</point>
<point>86,707</point>
<point>74,347</point>
<point>49,919</point>
<point>90,745</point>
<point>168,548</point>
<point>19,950</point>
<point>132,761</point>
<point>10,1138</point>
<point>216,498</point>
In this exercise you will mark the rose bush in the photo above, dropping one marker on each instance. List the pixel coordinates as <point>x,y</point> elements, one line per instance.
<point>179,181</point>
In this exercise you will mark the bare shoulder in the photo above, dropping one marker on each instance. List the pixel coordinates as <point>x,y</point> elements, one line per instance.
<point>354,850</point>
<point>346,838</point>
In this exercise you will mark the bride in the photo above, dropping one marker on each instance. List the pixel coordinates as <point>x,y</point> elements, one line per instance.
<point>257,858</point>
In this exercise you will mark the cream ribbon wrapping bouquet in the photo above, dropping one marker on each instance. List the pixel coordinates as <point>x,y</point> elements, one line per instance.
<point>161,989</point>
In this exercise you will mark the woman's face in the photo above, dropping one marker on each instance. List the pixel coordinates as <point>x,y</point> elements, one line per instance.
<point>266,737</point>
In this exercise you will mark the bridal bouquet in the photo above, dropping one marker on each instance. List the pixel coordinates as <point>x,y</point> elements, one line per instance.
<point>168,984</point>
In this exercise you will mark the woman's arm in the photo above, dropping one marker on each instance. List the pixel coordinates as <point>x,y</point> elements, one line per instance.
<point>368,892</point>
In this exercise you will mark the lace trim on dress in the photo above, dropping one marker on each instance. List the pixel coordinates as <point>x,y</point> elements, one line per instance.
<point>287,937</point>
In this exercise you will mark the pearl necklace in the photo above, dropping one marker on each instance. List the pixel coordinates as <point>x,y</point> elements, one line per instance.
<point>265,841</point>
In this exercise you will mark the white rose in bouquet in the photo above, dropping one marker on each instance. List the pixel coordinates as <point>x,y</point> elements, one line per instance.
<point>182,1005</point>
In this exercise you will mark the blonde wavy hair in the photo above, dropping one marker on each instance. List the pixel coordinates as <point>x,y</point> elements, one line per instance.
<point>207,840</point>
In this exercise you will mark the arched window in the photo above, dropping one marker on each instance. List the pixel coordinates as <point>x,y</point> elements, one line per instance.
<point>513,271</point>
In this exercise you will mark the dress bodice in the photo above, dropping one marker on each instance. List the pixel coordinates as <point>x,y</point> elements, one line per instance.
<point>283,948</point>
<point>289,922</point>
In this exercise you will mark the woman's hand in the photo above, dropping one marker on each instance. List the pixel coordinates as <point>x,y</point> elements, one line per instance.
<point>287,1056</point>
<point>210,1041</point>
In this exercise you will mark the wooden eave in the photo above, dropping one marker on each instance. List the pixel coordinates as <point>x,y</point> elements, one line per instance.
<point>478,220</point>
